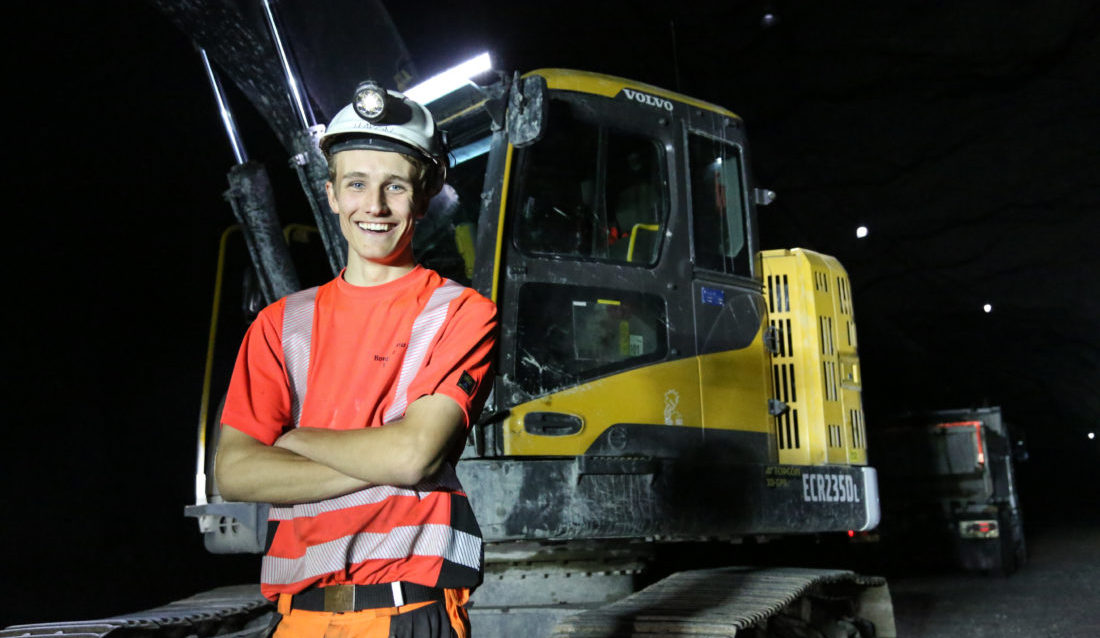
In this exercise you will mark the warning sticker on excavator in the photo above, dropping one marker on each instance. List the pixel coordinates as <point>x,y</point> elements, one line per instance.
<point>829,488</point>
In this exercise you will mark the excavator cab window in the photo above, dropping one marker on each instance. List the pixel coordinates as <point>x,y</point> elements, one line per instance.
<point>718,206</point>
<point>589,202</point>
<point>567,334</point>
<point>589,191</point>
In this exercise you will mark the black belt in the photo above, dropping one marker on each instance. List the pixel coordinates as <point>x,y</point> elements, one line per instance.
<point>342,598</point>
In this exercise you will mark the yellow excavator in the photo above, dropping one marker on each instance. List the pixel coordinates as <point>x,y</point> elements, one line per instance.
<point>662,380</point>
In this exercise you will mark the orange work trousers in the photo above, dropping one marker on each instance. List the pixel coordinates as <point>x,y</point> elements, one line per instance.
<point>419,620</point>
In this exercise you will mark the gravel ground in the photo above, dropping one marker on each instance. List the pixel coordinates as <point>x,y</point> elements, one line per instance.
<point>1057,593</point>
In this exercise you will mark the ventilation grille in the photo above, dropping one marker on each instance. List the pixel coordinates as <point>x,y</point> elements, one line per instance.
<point>845,294</point>
<point>786,424</point>
<point>786,427</point>
<point>828,349</point>
<point>829,379</point>
<point>823,420</point>
<point>825,328</point>
<point>779,294</point>
<point>784,382</point>
<point>859,430</point>
<point>784,342</point>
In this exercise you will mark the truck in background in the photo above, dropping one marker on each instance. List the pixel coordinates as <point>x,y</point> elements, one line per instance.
<point>950,498</point>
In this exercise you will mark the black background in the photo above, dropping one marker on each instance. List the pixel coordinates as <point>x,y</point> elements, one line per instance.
<point>966,136</point>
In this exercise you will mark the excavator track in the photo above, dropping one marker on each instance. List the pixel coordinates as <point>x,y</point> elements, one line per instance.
<point>229,612</point>
<point>740,601</point>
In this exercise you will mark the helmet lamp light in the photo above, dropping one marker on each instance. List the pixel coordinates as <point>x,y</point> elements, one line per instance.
<point>370,101</point>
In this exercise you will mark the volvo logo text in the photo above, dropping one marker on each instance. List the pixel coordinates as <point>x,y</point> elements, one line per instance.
<point>649,100</point>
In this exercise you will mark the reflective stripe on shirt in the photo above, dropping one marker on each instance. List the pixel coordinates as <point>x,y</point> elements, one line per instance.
<point>445,480</point>
<point>424,329</point>
<point>400,542</point>
<point>297,337</point>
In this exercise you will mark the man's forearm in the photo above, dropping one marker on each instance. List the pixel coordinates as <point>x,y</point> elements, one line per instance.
<point>367,455</point>
<point>400,453</point>
<point>265,474</point>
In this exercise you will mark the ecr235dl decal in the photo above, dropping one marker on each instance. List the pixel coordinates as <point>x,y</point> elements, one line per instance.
<point>817,487</point>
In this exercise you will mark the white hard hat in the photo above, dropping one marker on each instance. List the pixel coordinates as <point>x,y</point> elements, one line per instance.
<point>385,120</point>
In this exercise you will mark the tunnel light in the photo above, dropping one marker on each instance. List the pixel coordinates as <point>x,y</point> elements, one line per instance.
<point>988,308</point>
<point>454,78</point>
<point>470,151</point>
<point>861,232</point>
<point>1092,435</point>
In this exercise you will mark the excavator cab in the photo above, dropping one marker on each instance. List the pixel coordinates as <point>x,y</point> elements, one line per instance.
<point>601,267</point>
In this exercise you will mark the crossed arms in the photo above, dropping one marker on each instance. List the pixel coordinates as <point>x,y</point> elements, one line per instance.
<point>310,464</point>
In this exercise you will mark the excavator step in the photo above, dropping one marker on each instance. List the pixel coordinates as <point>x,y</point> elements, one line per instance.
<point>735,601</point>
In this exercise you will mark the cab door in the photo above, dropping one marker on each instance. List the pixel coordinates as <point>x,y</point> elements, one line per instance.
<point>726,292</point>
<point>594,278</point>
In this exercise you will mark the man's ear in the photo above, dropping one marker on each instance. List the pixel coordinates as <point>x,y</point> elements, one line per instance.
<point>330,190</point>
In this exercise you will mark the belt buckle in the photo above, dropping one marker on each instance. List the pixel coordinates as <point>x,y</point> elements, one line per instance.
<point>339,598</point>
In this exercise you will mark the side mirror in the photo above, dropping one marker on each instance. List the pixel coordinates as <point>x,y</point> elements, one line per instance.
<point>525,121</point>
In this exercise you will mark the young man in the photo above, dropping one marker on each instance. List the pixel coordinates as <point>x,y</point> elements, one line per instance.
<point>349,404</point>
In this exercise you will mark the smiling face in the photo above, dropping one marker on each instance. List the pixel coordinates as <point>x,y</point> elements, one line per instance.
<point>373,192</point>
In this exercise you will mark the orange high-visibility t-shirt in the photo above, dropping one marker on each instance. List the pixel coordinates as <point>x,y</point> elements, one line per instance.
<point>367,363</point>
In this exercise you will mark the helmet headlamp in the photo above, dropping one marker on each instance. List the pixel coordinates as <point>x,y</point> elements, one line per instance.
<point>370,101</point>
<point>383,120</point>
